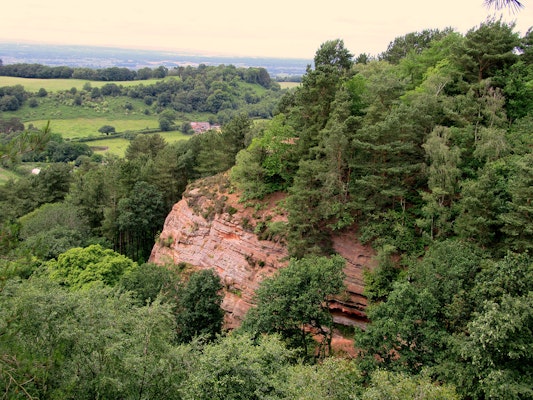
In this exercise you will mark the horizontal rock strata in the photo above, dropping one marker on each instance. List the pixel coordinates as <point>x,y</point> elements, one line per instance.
<point>207,230</point>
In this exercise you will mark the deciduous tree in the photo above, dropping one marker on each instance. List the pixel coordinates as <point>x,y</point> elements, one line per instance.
<point>199,312</point>
<point>80,267</point>
<point>294,302</point>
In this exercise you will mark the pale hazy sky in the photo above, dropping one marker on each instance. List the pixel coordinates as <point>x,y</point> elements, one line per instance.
<point>272,28</point>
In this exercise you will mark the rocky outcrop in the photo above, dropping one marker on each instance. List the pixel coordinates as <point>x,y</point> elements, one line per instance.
<point>210,228</point>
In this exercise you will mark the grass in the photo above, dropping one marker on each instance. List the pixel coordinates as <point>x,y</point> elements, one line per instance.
<point>6,175</point>
<point>115,146</point>
<point>55,85</point>
<point>174,136</point>
<point>55,107</point>
<point>118,146</point>
<point>289,85</point>
<point>76,128</point>
<point>80,121</point>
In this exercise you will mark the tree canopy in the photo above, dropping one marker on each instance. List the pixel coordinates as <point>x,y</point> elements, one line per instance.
<point>423,154</point>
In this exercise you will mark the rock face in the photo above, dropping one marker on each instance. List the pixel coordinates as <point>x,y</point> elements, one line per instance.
<point>210,228</point>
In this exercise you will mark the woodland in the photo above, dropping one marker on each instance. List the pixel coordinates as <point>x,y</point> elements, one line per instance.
<point>425,152</point>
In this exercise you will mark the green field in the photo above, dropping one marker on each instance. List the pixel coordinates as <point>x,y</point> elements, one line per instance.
<point>76,120</point>
<point>174,136</point>
<point>54,85</point>
<point>289,85</point>
<point>77,128</point>
<point>118,146</point>
<point>6,175</point>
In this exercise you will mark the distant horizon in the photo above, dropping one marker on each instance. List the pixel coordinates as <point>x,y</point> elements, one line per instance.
<point>174,51</point>
<point>92,56</point>
<point>277,29</point>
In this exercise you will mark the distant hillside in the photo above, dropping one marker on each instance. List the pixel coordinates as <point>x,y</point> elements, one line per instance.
<point>101,57</point>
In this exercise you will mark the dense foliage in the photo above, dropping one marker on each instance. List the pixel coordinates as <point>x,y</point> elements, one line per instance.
<point>425,153</point>
<point>294,303</point>
<point>250,75</point>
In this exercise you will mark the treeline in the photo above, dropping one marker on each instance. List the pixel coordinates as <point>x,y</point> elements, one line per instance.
<point>257,75</point>
<point>203,89</point>
<point>402,148</point>
<point>93,324</point>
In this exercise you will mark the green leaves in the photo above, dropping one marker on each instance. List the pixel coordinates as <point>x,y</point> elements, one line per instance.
<point>500,348</point>
<point>333,54</point>
<point>199,312</point>
<point>238,367</point>
<point>332,379</point>
<point>296,300</point>
<point>405,334</point>
<point>80,268</point>
<point>389,385</point>
<point>53,229</point>
<point>269,162</point>
<point>84,344</point>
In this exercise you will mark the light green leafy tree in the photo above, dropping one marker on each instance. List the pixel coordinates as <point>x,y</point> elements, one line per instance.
<point>411,329</point>
<point>268,163</point>
<point>390,385</point>
<point>332,379</point>
<point>87,344</point>
<point>80,268</point>
<point>499,347</point>
<point>443,176</point>
<point>166,120</point>
<point>53,229</point>
<point>238,367</point>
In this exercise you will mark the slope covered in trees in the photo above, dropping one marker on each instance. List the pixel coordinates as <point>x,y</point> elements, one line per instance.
<point>427,151</point>
<point>400,148</point>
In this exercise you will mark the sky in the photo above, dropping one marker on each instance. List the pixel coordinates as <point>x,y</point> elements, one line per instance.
<point>273,28</point>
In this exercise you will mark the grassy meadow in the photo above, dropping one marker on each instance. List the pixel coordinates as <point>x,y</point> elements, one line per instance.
<point>77,128</point>
<point>118,146</point>
<point>55,85</point>
<point>74,122</point>
<point>58,107</point>
<point>6,175</point>
<point>289,85</point>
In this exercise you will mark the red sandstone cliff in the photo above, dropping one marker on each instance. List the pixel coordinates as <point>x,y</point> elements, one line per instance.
<point>210,228</point>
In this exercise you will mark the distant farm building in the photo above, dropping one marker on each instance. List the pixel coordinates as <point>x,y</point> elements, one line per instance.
<point>201,127</point>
